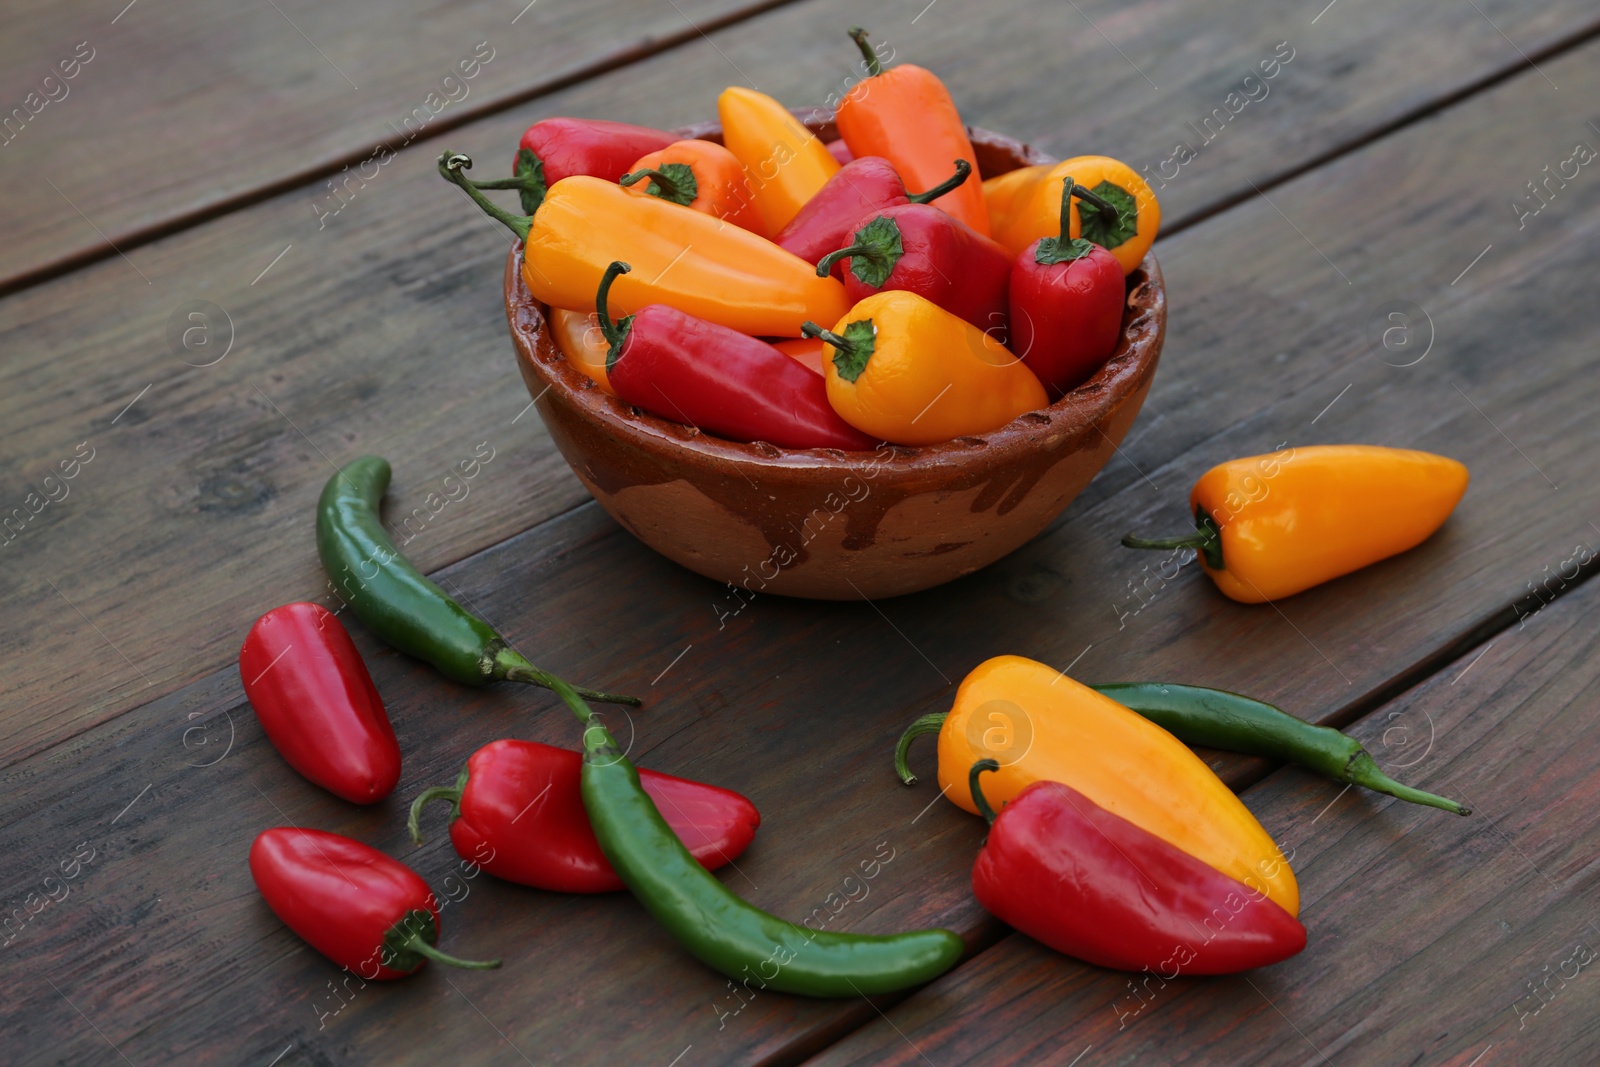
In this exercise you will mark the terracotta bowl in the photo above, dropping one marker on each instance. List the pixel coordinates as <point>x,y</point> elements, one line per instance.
<point>835,525</point>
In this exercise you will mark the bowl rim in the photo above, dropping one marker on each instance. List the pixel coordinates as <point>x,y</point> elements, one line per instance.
<point>1086,407</point>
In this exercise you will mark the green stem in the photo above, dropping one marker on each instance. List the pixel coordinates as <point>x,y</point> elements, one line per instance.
<point>416,943</point>
<point>1363,771</point>
<point>510,665</point>
<point>825,264</point>
<point>451,165</point>
<point>613,332</point>
<point>979,801</point>
<point>963,170</point>
<point>1100,203</point>
<point>811,329</point>
<point>452,793</point>
<point>1206,539</point>
<point>928,724</point>
<point>1067,186</point>
<point>859,36</point>
<point>667,187</point>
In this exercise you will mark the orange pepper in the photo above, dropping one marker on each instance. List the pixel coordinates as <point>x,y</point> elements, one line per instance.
<point>1271,526</point>
<point>1000,193</point>
<point>807,350</point>
<point>785,161</point>
<point>701,175</point>
<point>1041,725</point>
<point>1036,210</point>
<point>906,116</point>
<point>685,259</point>
<point>904,370</point>
<point>578,335</point>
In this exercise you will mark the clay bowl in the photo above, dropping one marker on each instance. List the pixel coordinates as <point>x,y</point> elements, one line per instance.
<point>835,525</point>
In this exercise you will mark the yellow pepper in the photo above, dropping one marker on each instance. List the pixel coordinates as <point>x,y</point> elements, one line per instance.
<point>689,260</point>
<point>1000,193</point>
<point>904,370</point>
<point>578,335</point>
<point>785,161</point>
<point>1271,526</point>
<point>1040,725</point>
<point>1126,233</point>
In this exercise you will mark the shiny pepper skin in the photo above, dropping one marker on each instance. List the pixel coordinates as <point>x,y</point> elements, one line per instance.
<point>317,704</point>
<point>517,813</point>
<point>1033,208</point>
<point>1073,876</point>
<point>861,189</point>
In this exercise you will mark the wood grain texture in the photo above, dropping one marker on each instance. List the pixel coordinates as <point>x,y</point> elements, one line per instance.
<point>382,332</point>
<point>1432,939</point>
<point>164,946</point>
<point>182,110</point>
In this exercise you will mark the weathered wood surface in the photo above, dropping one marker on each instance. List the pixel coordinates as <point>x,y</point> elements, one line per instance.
<point>186,109</point>
<point>1432,939</point>
<point>165,947</point>
<point>382,331</point>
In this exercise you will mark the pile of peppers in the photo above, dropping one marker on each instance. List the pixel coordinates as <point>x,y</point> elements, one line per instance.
<point>774,288</point>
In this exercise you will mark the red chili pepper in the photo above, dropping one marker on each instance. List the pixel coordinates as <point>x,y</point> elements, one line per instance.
<point>1093,885</point>
<point>862,187</point>
<point>920,249</point>
<point>556,148</point>
<point>718,379</point>
<point>317,703</point>
<point>517,812</point>
<point>356,906</point>
<point>1067,296</point>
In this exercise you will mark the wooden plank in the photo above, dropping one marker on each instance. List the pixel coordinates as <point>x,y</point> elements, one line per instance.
<point>1431,939</point>
<point>382,332</point>
<point>230,104</point>
<point>796,704</point>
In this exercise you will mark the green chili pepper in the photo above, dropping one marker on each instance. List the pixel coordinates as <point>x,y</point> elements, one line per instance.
<point>725,932</point>
<point>1228,721</point>
<point>397,602</point>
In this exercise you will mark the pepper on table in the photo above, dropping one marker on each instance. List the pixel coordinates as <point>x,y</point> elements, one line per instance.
<point>1093,885</point>
<point>917,248</point>
<point>316,702</point>
<point>355,905</point>
<point>722,381</point>
<point>1043,726</point>
<point>516,811</point>
<point>1124,221</point>
<point>701,175</point>
<point>722,930</point>
<point>1065,301</point>
<point>906,115</point>
<point>862,188</point>
<point>556,148</point>
<point>902,369</point>
<point>696,263</point>
<point>396,601</point>
<point>786,162</point>
<point>1271,526</point>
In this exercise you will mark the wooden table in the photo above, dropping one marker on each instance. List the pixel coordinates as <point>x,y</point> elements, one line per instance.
<point>228,264</point>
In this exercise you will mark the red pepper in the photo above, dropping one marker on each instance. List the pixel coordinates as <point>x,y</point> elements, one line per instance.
<point>356,906</point>
<point>718,379</point>
<point>517,813</point>
<point>1067,296</point>
<point>862,187</point>
<point>1093,885</point>
<point>556,148</point>
<point>920,249</point>
<point>317,703</point>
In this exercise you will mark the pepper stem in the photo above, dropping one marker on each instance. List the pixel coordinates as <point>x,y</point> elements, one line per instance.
<point>825,264</point>
<point>870,54</point>
<point>418,944</point>
<point>452,793</point>
<point>811,329</point>
<point>928,724</point>
<point>614,332</point>
<point>963,170</point>
<point>513,667</point>
<point>451,165</point>
<point>979,801</point>
<point>1099,203</point>
<point>667,187</point>
<point>1206,539</point>
<point>1363,771</point>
